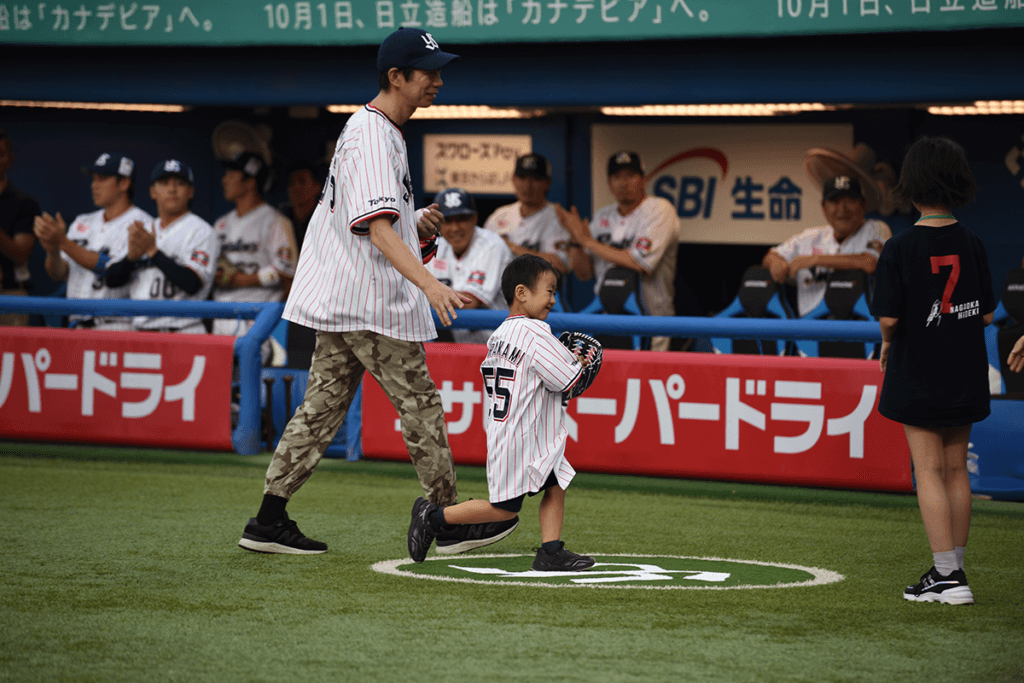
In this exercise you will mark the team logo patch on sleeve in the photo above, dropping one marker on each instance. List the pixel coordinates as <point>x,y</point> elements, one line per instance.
<point>81,227</point>
<point>477,277</point>
<point>201,257</point>
<point>643,245</point>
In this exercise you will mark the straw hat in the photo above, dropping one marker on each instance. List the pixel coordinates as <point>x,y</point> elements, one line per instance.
<point>877,179</point>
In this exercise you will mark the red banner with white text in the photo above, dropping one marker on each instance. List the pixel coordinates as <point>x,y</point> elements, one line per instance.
<point>136,388</point>
<point>804,421</point>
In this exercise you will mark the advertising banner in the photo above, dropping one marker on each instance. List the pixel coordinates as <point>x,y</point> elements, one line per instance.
<point>803,421</point>
<point>479,164</point>
<point>354,22</point>
<point>730,184</point>
<point>140,389</point>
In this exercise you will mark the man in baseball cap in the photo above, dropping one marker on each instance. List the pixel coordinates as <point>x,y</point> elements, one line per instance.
<point>532,225</point>
<point>251,165</point>
<point>848,242</point>
<point>81,254</point>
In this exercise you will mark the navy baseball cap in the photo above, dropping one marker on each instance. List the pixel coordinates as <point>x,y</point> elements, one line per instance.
<point>533,166</point>
<point>842,186</point>
<point>175,168</point>
<point>624,159</point>
<point>455,202</point>
<point>411,47</point>
<point>249,164</point>
<point>112,164</point>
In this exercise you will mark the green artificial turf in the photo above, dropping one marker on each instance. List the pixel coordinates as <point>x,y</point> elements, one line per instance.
<point>122,565</point>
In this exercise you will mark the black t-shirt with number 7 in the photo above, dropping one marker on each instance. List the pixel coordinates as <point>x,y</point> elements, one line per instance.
<point>936,281</point>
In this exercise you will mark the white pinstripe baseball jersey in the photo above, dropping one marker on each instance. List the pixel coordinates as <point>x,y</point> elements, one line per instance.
<point>478,272</point>
<point>261,238</point>
<point>810,285</point>
<point>103,237</point>
<point>650,234</point>
<point>540,231</point>
<point>525,372</point>
<point>343,282</point>
<point>190,242</point>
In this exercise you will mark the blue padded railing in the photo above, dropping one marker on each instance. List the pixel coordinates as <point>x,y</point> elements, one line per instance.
<point>246,436</point>
<point>680,326</point>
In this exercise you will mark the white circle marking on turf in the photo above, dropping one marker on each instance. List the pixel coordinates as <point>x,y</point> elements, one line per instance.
<point>821,576</point>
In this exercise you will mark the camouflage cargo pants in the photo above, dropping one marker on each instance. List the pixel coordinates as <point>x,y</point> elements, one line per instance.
<point>401,370</point>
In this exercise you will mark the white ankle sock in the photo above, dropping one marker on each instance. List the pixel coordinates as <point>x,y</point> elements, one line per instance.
<point>960,550</point>
<point>945,563</point>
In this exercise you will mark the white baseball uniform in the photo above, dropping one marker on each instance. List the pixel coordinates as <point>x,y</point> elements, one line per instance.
<point>109,238</point>
<point>257,243</point>
<point>190,242</point>
<point>343,283</point>
<point>540,231</point>
<point>810,285</point>
<point>478,273</point>
<point>525,372</point>
<point>650,234</point>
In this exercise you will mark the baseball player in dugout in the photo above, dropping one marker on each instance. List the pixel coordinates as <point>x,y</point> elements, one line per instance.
<point>17,211</point>
<point>637,232</point>
<point>532,224</point>
<point>852,186</point>
<point>529,376</point>
<point>257,244</point>
<point>80,254</point>
<point>172,259</point>
<point>362,284</point>
<point>469,259</point>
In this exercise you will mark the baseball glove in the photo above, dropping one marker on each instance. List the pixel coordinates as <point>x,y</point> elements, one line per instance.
<point>428,247</point>
<point>589,351</point>
<point>225,271</point>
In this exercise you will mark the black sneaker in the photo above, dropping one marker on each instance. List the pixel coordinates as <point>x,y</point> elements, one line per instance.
<point>458,538</point>
<point>421,532</point>
<point>283,536</point>
<point>562,561</point>
<point>934,587</point>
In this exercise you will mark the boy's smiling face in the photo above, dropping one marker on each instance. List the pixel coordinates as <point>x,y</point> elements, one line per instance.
<point>536,303</point>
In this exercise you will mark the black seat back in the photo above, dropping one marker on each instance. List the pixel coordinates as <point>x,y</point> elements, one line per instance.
<point>756,291</point>
<point>618,284</point>
<point>842,291</point>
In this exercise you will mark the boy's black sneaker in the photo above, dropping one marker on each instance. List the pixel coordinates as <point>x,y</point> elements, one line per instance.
<point>562,561</point>
<point>421,532</point>
<point>934,587</point>
<point>458,538</point>
<point>283,536</point>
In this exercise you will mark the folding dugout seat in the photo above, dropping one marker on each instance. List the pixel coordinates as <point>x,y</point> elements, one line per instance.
<point>620,294</point>
<point>759,297</point>
<point>845,299</point>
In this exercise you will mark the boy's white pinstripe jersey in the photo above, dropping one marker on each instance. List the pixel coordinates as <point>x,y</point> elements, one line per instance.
<point>525,372</point>
<point>343,283</point>
<point>90,231</point>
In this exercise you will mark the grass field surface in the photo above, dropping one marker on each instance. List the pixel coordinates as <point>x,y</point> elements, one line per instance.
<point>122,565</point>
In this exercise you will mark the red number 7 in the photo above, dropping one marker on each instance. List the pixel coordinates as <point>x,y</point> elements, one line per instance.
<point>954,262</point>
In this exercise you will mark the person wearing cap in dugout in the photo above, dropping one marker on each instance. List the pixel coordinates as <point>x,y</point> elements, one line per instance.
<point>469,259</point>
<point>637,232</point>
<point>81,253</point>
<point>850,188</point>
<point>174,257</point>
<point>531,224</point>
<point>257,244</point>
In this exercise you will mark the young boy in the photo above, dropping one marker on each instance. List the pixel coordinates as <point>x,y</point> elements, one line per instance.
<point>525,373</point>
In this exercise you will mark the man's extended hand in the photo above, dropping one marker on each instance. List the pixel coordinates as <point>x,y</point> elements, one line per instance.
<point>444,300</point>
<point>1016,358</point>
<point>802,262</point>
<point>140,241</point>
<point>577,227</point>
<point>51,231</point>
<point>430,221</point>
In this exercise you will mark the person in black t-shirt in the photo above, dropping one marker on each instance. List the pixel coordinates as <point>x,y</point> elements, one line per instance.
<point>933,299</point>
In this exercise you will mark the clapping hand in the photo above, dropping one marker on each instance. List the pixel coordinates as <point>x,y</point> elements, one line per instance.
<point>141,242</point>
<point>51,231</point>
